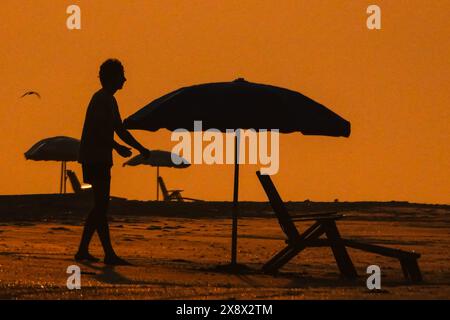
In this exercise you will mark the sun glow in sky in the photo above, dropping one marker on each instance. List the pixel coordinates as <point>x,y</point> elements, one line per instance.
<point>391,84</point>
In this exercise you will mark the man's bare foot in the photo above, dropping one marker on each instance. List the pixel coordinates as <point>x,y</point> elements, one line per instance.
<point>116,261</point>
<point>85,256</point>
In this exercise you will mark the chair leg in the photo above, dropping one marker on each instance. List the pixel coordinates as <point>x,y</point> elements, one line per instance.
<point>293,249</point>
<point>340,253</point>
<point>411,269</point>
<point>405,270</point>
<point>415,271</point>
<point>176,195</point>
<point>268,265</point>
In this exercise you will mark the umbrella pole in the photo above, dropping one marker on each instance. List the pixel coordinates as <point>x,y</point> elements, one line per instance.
<point>64,176</point>
<point>235,201</point>
<point>61,177</point>
<point>157,187</point>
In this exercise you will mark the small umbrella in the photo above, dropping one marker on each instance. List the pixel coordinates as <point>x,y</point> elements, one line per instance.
<point>159,158</point>
<point>58,148</point>
<point>239,104</point>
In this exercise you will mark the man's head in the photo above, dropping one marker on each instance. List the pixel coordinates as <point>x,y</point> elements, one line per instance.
<point>112,75</point>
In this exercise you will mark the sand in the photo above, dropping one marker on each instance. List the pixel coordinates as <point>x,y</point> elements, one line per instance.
<point>175,257</point>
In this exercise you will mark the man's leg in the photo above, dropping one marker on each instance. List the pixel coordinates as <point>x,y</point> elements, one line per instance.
<point>98,221</point>
<point>91,223</point>
<point>102,225</point>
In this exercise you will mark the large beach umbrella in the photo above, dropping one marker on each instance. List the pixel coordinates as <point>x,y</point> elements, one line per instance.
<point>239,104</point>
<point>60,148</point>
<point>159,158</point>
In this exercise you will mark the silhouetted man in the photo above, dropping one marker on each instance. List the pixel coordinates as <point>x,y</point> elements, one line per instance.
<point>97,142</point>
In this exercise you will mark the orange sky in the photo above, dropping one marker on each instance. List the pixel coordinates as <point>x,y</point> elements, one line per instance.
<point>392,85</point>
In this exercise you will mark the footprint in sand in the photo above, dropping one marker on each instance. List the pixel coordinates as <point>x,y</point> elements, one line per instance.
<point>60,229</point>
<point>172,227</point>
<point>154,228</point>
<point>133,237</point>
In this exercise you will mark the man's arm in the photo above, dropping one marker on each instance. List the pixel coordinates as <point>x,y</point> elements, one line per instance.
<point>123,133</point>
<point>124,151</point>
<point>116,145</point>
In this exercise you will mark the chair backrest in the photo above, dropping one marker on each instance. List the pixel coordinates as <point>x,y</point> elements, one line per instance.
<point>164,191</point>
<point>284,219</point>
<point>76,186</point>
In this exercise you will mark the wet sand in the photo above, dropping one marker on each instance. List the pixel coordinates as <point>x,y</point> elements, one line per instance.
<point>175,257</point>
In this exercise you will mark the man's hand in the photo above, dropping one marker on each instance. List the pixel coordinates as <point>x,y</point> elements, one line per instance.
<point>145,152</point>
<point>123,151</point>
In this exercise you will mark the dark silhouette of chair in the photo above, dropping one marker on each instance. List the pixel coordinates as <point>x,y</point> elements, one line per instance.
<point>325,224</point>
<point>172,195</point>
<point>76,185</point>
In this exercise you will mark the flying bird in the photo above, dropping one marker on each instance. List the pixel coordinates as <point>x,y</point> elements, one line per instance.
<point>29,93</point>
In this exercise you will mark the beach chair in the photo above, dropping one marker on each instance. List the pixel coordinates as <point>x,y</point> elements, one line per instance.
<point>76,185</point>
<point>325,225</point>
<point>172,195</point>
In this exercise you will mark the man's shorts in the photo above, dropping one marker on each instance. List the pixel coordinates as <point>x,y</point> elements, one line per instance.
<point>96,172</point>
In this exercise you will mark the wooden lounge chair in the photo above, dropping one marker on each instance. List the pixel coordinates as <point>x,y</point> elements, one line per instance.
<point>76,185</point>
<point>172,195</point>
<point>325,225</point>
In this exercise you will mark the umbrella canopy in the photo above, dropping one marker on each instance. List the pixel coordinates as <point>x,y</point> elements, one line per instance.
<point>58,148</point>
<point>239,104</point>
<point>159,158</point>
